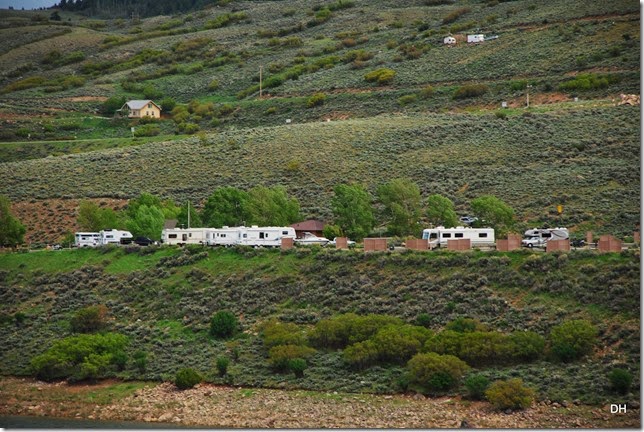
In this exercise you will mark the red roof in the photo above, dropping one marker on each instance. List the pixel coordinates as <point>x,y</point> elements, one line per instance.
<point>309,225</point>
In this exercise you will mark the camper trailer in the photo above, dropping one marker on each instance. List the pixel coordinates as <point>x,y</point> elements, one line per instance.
<point>86,239</point>
<point>264,236</point>
<point>224,236</point>
<point>538,237</point>
<point>112,236</point>
<point>475,38</point>
<point>439,236</point>
<point>183,236</point>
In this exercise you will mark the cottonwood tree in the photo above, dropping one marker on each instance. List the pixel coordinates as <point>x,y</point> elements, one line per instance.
<point>352,211</point>
<point>272,206</point>
<point>147,222</point>
<point>226,206</point>
<point>93,218</point>
<point>440,211</point>
<point>12,232</point>
<point>402,202</point>
<point>493,211</point>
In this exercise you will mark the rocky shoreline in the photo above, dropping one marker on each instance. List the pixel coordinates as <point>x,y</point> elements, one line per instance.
<point>218,406</point>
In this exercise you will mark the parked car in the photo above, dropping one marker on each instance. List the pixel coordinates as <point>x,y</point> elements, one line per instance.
<point>141,241</point>
<point>468,220</point>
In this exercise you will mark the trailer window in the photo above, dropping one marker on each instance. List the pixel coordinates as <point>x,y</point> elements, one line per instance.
<point>173,236</point>
<point>284,232</point>
<point>433,235</point>
<point>447,235</point>
<point>546,234</point>
<point>261,235</point>
<point>482,235</point>
<point>458,235</point>
<point>222,235</point>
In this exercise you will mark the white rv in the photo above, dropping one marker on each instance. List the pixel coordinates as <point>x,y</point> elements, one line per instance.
<point>538,237</point>
<point>183,236</point>
<point>224,236</point>
<point>86,239</point>
<point>264,236</point>
<point>475,38</point>
<point>113,236</point>
<point>440,235</point>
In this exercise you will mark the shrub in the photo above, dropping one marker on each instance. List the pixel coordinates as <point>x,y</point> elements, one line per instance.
<point>454,15</point>
<point>277,333</point>
<point>213,85</point>
<point>426,92</point>
<point>81,357</point>
<point>223,324</point>
<point>620,380</point>
<point>89,319</point>
<point>381,76</point>
<point>510,394</point>
<point>342,330</point>
<point>222,365</point>
<point>147,130</point>
<point>572,340</point>
<point>470,91</point>
<point>168,104</point>
<point>424,320</point>
<point>476,386</point>
<point>279,356</point>
<point>588,81</point>
<point>398,343</point>
<point>524,346</point>
<point>140,360</point>
<point>316,100</point>
<point>297,366</point>
<point>187,378</point>
<point>407,99</point>
<point>465,325</point>
<point>361,354</point>
<point>435,372</point>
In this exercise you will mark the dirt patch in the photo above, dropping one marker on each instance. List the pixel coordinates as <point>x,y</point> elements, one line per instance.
<point>218,406</point>
<point>84,99</point>
<point>47,221</point>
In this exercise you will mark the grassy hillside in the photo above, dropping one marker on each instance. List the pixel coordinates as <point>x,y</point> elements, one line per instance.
<point>162,299</point>
<point>585,157</point>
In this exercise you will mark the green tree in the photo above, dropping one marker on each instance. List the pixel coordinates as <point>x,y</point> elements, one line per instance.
<point>91,217</point>
<point>110,106</point>
<point>272,206</point>
<point>167,207</point>
<point>494,211</point>
<point>440,211</point>
<point>226,206</point>
<point>351,206</point>
<point>195,217</point>
<point>572,340</point>
<point>12,232</point>
<point>402,202</point>
<point>223,324</point>
<point>147,221</point>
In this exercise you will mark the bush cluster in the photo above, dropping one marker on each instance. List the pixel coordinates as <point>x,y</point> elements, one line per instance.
<point>342,330</point>
<point>470,91</point>
<point>572,340</point>
<point>510,394</point>
<point>224,324</point>
<point>187,378</point>
<point>82,357</point>
<point>89,319</point>
<point>381,76</point>
<point>434,372</point>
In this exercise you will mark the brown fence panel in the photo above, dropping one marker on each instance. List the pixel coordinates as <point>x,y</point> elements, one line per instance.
<point>608,243</point>
<point>589,237</point>
<point>417,244</point>
<point>558,245</point>
<point>513,242</point>
<point>375,244</point>
<point>341,243</point>
<point>459,245</point>
<point>636,236</point>
<point>287,243</point>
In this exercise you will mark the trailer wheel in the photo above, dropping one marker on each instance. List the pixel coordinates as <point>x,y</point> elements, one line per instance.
<point>530,245</point>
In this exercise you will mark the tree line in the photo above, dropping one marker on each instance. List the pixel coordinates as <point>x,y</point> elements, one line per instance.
<point>397,209</point>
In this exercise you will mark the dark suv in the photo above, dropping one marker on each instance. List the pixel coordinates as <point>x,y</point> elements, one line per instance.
<point>141,241</point>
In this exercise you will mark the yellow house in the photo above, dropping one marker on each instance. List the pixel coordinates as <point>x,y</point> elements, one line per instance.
<point>141,108</point>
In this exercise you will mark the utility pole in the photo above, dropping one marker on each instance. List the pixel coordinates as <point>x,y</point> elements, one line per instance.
<point>260,81</point>
<point>527,95</point>
<point>188,214</point>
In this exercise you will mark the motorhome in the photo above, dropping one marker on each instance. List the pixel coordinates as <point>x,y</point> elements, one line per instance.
<point>538,237</point>
<point>112,236</point>
<point>183,236</point>
<point>439,236</point>
<point>86,239</point>
<point>264,236</point>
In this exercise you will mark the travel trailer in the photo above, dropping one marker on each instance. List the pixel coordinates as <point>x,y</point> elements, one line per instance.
<point>86,239</point>
<point>264,236</point>
<point>183,236</point>
<point>112,236</point>
<point>440,235</point>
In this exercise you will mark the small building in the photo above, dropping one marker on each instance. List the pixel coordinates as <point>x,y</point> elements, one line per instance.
<point>313,226</point>
<point>449,40</point>
<point>475,38</point>
<point>141,108</point>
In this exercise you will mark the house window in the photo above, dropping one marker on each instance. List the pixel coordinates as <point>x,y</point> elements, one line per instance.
<point>482,235</point>
<point>149,105</point>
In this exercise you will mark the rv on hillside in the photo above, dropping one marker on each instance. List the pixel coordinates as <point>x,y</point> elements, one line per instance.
<point>440,235</point>
<point>538,237</point>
